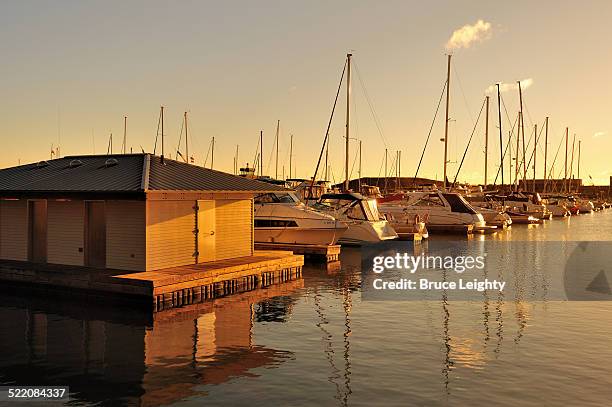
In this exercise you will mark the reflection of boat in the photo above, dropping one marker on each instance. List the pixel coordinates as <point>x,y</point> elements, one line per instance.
<point>433,207</point>
<point>282,218</point>
<point>359,214</point>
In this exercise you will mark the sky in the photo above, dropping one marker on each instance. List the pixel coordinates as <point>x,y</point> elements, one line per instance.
<point>71,70</point>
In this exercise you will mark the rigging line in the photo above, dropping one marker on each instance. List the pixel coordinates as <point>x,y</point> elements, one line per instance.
<point>382,163</point>
<point>551,173</point>
<point>522,163</point>
<point>527,109</point>
<point>178,147</point>
<point>506,149</point>
<point>354,161</point>
<point>371,106</point>
<point>256,155</point>
<point>325,140</point>
<point>207,153</point>
<point>536,138</point>
<point>157,133</point>
<point>465,102</point>
<point>468,144</point>
<point>429,134</point>
<point>272,152</point>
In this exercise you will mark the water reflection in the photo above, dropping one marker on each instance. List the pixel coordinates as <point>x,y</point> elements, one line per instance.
<point>114,357</point>
<point>318,341</point>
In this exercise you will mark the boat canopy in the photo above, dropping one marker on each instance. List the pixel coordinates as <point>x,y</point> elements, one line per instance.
<point>276,197</point>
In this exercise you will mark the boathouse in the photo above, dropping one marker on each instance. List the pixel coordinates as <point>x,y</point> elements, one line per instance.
<point>135,212</point>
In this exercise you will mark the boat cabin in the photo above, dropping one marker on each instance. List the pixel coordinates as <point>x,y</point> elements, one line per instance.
<point>136,212</point>
<point>354,205</point>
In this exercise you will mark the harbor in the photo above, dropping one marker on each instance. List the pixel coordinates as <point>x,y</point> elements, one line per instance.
<point>348,203</point>
<point>248,341</point>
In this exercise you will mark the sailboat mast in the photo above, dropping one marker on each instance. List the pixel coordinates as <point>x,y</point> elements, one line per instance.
<point>348,110</point>
<point>448,72</point>
<point>579,141</point>
<point>261,153</point>
<point>486,151</point>
<point>359,165</point>
<point>535,144</point>
<point>276,168</point>
<point>212,156</point>
<point>501,141</point>
<point>290,154</point>
<point>326,158</point>
<point>386,173</point>
<point>522,135</point>
<point>518,145</point>
<point>162,134</point>
<point>236,161</point>
<point>186,138</point>
<point>545,151</point>
<point>399,168</point>
<point>571,180</point>
<point>124,133</point>
<point>565,168</point>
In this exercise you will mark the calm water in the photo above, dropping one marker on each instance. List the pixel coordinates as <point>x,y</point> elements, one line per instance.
<point>314,341</point>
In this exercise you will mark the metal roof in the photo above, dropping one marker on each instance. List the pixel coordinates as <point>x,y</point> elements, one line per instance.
<point>124,173</point>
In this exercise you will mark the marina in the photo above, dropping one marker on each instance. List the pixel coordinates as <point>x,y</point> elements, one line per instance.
<point>343,203</point>
<point>220,347</point>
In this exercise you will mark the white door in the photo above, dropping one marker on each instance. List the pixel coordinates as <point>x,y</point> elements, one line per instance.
<point>206,231</point>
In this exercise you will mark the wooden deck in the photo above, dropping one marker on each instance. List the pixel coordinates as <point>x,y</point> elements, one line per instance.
<point>327,253</point>
<point>170,287</point>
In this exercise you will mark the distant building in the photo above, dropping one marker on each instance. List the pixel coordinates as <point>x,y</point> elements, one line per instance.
<point>128,212</point>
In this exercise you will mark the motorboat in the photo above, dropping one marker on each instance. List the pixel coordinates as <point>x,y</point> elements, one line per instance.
<point>556,206</point>
<point>435,208</point>
<point>280,217</point>
<point>359,214</point>
<point>524,203</point>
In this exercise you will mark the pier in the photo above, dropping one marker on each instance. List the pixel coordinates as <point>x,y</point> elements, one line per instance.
<point>165,288</point>
<point>313,252</point>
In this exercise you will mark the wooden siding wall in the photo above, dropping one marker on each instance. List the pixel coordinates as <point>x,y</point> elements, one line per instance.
<point>14,230</point>
<point>234,229</point>
<point>65,223</point>
<point>170,234</point>
<point>125,235</point>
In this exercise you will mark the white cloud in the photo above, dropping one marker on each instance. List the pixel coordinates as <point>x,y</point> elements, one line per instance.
<point>465,36</point>
<point>505,87</point>
<point>600,134</point>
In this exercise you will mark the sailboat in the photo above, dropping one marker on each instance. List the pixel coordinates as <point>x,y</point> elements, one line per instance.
<point>358,213</point>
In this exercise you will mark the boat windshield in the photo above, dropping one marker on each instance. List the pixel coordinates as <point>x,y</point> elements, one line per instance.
<point>371,209</point>
<point>288,197</point>
<point>459,204</point>
<point>356,209</point>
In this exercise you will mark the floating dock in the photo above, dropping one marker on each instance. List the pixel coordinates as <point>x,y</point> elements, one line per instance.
<point>460,229</point>
<point>411,236</point>
<point>327,253</point>
<point>164,288</point>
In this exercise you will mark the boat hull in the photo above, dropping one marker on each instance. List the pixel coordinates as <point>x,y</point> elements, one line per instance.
<point>299,235</point>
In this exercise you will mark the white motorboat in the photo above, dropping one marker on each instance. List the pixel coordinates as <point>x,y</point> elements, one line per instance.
<point>433,207</point>
<point>359,214</point>
<point>524,203</point>
<point>282,218</point>
<point>556,206</point>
